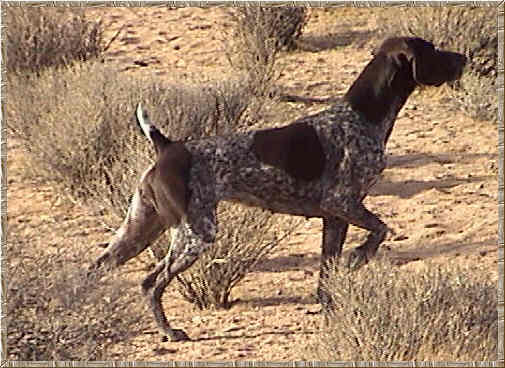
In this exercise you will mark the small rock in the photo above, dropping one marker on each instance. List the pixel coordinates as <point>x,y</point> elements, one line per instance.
<point>429,226</point>
<point>400,238</point>
<point>161,351</point>
<point>140,63</point>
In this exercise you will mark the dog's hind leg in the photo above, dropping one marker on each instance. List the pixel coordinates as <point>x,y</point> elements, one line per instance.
<point>191,239</point>
<point>140,228</point>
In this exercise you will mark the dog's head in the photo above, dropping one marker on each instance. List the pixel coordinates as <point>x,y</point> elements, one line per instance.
<point>427,65</point>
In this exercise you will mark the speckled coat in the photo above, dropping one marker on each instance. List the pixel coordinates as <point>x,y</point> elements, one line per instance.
<point>341,158</point>
<point>225,168</point>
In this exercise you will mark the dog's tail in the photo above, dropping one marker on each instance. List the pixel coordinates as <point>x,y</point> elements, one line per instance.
<point>157,138</point>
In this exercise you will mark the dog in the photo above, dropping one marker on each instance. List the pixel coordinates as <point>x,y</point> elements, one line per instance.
<point>322,165</point>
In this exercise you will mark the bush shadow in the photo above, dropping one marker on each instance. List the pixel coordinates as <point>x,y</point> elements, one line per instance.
<point>317,42</point>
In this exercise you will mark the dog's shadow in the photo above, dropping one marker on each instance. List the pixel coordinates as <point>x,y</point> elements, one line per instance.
<point>410,188</point>
<point>420,159</point>
<point>254,336</point>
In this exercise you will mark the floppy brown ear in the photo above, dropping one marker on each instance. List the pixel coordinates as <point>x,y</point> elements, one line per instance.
<point>427,65</point>
<point>397,54</point>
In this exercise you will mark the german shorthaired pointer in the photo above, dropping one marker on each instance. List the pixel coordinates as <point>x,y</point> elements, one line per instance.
<point>321,165</point>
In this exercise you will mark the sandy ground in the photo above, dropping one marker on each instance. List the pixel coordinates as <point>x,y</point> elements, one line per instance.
<point>439,191</point>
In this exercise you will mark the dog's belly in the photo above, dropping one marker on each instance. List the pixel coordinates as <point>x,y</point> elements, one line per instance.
<point>306,209</point>
<point>271,189</point>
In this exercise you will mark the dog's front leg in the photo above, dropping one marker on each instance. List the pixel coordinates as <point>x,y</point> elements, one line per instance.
<point>351,210</point>
<point>334,234</point>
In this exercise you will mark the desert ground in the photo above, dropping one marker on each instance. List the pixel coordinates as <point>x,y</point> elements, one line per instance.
<point>439,192</point>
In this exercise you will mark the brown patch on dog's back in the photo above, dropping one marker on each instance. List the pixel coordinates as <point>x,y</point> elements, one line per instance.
<point>295,149</point>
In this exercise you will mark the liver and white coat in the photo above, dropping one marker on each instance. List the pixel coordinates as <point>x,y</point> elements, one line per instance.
<point>321,165</point>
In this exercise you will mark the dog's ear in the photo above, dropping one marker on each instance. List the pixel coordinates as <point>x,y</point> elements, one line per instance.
<point>428,68</point>
<point>394,54</point>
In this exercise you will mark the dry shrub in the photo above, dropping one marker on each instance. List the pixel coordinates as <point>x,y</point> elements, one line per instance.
<point>53,312</point>
<point>78,126</point>
<point>469,30</point>
<point>41,37</point>
<point>258,35</point>
<point>248,236</point>
<point>280,25</point>
<point>385,313</point>
<point>477,97</point>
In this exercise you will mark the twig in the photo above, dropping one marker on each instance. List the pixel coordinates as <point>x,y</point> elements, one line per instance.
<point>309,100</point>
<point>113,38</point>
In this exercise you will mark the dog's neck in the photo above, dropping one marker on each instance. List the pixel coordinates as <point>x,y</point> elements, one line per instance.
<point>380,92</point>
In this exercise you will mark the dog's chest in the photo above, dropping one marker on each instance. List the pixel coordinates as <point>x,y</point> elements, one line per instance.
<point>354,152</point>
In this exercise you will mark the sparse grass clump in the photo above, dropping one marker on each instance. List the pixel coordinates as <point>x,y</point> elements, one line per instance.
<point>385,313</point>
<point>258,35</point>
<point>469,30</point>
<point>41,37</point>
<point>77,124</point>
<point>246,237</point>
<point>53,312</point>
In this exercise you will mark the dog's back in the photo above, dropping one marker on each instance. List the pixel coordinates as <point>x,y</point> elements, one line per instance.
<point>238,171</point>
